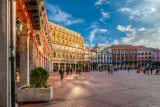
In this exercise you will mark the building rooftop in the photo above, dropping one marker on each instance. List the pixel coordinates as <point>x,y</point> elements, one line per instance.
<point>63,29</point>
<point>126,47</point>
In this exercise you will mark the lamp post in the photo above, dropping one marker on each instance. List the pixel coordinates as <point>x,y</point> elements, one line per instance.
<point>19,25</point>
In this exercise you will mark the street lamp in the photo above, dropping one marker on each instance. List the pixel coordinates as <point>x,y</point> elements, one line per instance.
<point>19,24</point>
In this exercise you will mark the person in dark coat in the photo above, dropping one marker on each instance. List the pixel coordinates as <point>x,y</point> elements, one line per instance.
<point>148,70</point>
<point>67,70</point>
<point>111,70</point>
<point>144,70</point>
<point>71,71</point>
<point>108,70</point>
<point>151,70</point>
<point>61,71</point>
<point>128,69</point>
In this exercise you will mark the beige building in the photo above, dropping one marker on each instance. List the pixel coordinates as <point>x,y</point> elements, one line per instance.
<point>68,47</point>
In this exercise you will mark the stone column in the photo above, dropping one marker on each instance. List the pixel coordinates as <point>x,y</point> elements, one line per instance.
<point>32,51</point>
<point>65,66</point>
<point>24,55</point>
<point>5,62</point>
<point>38,59</point>
<point>41,60</point>
<point>58,66</point>
<point>78,65</point>
<point>52,66</point>
<point>75,66</point>
<point>91,66</point>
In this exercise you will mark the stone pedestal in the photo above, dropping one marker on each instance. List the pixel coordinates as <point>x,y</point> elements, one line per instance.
<point>24,55</point>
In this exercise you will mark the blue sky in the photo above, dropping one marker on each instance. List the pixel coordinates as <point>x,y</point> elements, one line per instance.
<point>108,22</point>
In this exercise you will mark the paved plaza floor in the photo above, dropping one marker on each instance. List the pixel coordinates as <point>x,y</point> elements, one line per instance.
<point>100,89</point>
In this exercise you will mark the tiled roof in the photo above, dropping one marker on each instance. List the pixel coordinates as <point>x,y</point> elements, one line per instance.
<point>126,47</point>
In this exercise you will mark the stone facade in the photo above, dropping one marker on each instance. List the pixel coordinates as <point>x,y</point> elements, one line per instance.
<point>7,29</point>
<point>104,58</point>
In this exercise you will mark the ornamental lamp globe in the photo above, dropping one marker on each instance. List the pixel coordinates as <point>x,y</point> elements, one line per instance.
<point>19,25</point>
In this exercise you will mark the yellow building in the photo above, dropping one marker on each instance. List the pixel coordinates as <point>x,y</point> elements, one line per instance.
<point>68,47</point>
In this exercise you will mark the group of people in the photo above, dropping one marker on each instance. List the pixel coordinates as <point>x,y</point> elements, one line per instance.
<point>78,71</point>
<point>61,72</point>
<point>145,70</point>
<point>110,70</point>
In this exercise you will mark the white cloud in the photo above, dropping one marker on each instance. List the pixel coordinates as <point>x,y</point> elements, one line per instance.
<point>92,45</point>
<point>101,38</point>
<point>86,42</point>
<point>116,42</point>
<point>146,11</point>
<point>86,45</point>
<point>93,26</point>
<point>125,10</point>
<point>92,35</point>
<point>102,46</point>
<point>105,15</point>
<point>57,15</point>
<point>103,30</point>
<point>101,2</point>
<point>141,36</point>
<point>107,42</point>
<point>96,33</point>
<point>129,1</point>
<point>124,29</point>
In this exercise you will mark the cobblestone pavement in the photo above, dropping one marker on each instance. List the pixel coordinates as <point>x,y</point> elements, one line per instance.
<point>100,89</point>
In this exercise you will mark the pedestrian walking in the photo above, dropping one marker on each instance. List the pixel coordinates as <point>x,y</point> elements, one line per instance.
<point>111,70</point>
<point>148,70</point>
<point>76,71</point>
<point>71,71</point>
<point>151,70</point>
<point>80,70</point>
<point>67,71</point>
<point>141,69</point>
<point>128,69</point>
<point>100,69</point>
<point>61,71</point>
<point>108,70</point>
<point>144,71</point>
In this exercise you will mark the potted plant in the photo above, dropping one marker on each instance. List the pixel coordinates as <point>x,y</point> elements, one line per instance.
<point>38,90</point>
